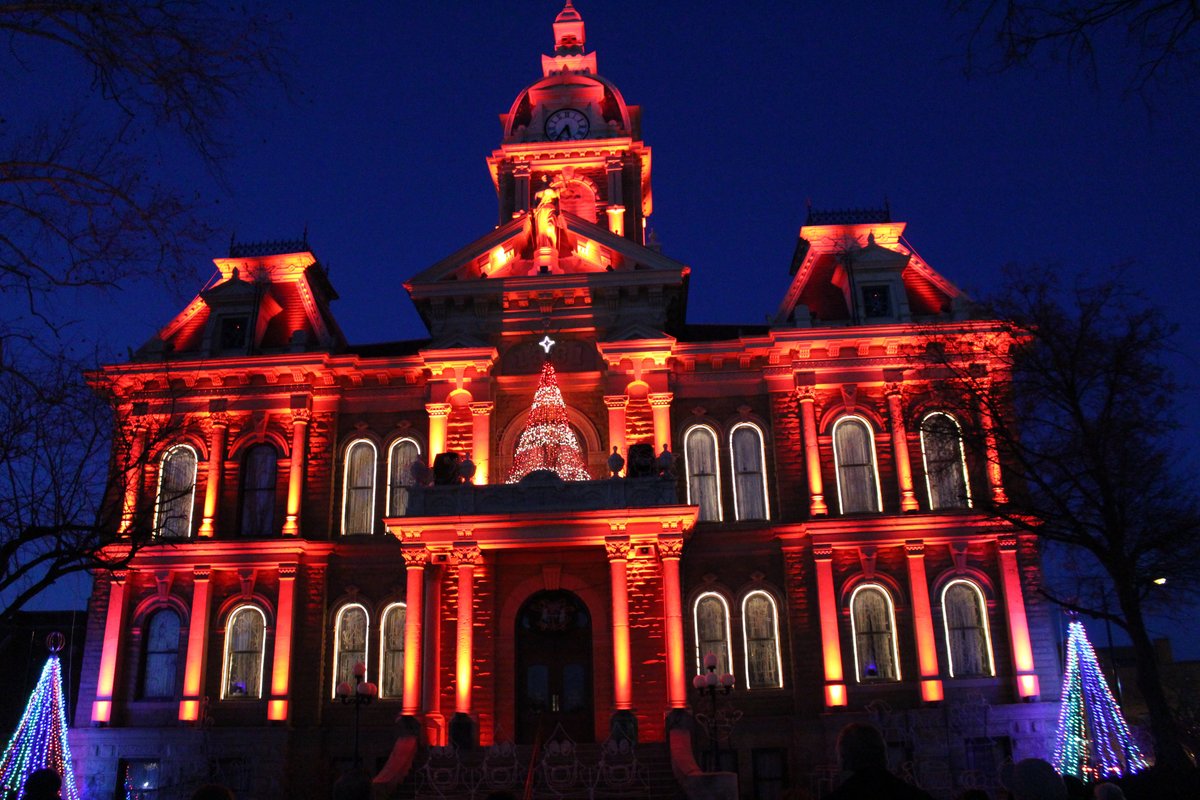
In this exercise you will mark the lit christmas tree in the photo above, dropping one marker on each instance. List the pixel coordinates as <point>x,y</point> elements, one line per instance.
<point>41,737</point>
<point>548,442</point>
<point>1093,740</point>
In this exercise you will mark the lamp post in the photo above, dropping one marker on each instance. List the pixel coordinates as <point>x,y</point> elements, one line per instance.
<point>710,685</point>
<point>360,694</point>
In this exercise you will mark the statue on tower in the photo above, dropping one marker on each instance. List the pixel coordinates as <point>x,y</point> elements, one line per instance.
<point>546,219</point>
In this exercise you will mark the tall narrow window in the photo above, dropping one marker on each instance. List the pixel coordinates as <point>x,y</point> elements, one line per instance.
<point>245,640</point>
<point>749,475</point>
<point>401,456</point>
<point>391,651</point>
<point>703,471</point>
<point>712,631</point>
<point>176,493</point>
<point>258,491</point>
<point>358,500</point>
<point>854,456</point>
<point>945,467</point>
<point>968,640</point>
<point>162,655</point>
<point>873,621</point>
<point>349,643</point>
<point>760,621</point>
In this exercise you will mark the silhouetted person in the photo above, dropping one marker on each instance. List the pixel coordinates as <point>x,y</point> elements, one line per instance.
<point>1033,779</point>
<point>42,784</point>
<point>665,463</point>
<point>863,753</point>
<point>615,463</point>
<point>212,791</point>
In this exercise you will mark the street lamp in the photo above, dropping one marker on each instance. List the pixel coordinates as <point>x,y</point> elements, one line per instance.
<point>360,694</point>
<point>710,685</point>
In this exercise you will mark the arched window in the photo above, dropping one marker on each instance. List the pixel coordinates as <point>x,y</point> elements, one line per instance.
<point>176,493</point>
<point>968,639</point>
<point>854,456</point>
<point>391,651</point>
<point>245,649</point>
<point>161,655</point>
<point>258,491</point>
<point>749,475</point>
<point>712,631</point>
<point>945,467</point>
<point>349,643</point>
<point>703,471</point>
<point>401,456</point>
<point>873,626</point>
<point>358,498</point>
<point>760,622</point>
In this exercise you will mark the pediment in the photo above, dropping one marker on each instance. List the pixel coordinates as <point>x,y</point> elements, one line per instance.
<point>637,332</point>
<point>508,253</point>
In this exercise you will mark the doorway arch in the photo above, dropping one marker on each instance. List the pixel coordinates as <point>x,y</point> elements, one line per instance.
<point>554,677</point>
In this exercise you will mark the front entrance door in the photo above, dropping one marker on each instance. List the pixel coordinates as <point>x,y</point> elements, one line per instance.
<point>554,666</point>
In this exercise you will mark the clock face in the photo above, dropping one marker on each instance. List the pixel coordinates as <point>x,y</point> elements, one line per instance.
<point>566,124</point>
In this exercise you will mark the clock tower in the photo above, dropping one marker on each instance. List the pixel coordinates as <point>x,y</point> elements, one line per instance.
<point>572,131</point>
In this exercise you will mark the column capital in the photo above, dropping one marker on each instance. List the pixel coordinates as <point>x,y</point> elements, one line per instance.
<point>415,557</point>
<point>660,399</point>
<point>288,571</point>
<point>202,572</point>
<point>219,420</point>
<point>616,548</point>
<point>1007,542</point>
<point>119,575</point>
<point>438,409</point>
<point>613,163</point>
<point>670,545</point>
<point>914,548</point>
<point>805,394</point>
<point>467,554</point>
<point>521,169</point>
<point>893,388</point>
<point>822,552</point>
<point>614,402</point>
<point>301,416</point>
<point>481,408</point>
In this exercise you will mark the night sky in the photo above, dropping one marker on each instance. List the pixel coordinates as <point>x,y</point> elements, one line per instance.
<point>752,110</point>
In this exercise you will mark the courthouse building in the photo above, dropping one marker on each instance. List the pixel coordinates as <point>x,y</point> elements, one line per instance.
<point>822,527</point>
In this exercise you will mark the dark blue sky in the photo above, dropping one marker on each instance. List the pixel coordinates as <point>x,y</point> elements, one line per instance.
<point>751,109</point>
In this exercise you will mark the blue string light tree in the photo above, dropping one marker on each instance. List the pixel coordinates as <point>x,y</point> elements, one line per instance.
<point>40,740</point>
<point>548,443</point>
<point>1094,742</point>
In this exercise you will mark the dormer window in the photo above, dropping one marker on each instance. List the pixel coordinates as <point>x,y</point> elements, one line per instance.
<point>877,301</point>
<point>232,333</point>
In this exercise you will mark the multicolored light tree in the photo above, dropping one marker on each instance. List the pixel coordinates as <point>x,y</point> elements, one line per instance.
<point>548,443</point>
<point>41,737</point>
<point>1093,739</point>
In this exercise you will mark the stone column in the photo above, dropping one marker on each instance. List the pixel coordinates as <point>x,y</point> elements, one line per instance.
<point>193,670</point>
<point>520,173</point>
<point>216,467</point>
<point>812,452</point>
<point>291,524</point>
<point>670,548</point>
<point>467,556</point>
<point>439,414</point>
<point>617,548</point>
<point>415,557</point>
<point>110,654</point>
<point>660,406</point>
<point>616,403</point>
<point>908,500</point>
<point>481,439</point>
<point>1018,624</point>
<point>133,475</point>
<point>992,451</point>
<point>281,667</point>
<point>918,585</point>
<point>831,646</point>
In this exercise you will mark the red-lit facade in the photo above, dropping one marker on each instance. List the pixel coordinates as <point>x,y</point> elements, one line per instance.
<point>823,530</point>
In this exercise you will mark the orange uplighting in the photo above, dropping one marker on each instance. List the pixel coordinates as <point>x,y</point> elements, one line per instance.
<point>835,694</point>
<point>830,645</point>
<point>281,668</point>
<point>1028,685</point>
<point>277,710</point>
<point>102,711</point>
<point>931,691</point>
<point>189,710</point>
<point>622,670</point>
<point>463,648</point>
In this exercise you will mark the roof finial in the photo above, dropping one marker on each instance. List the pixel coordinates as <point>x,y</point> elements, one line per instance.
<point>569,37</point>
